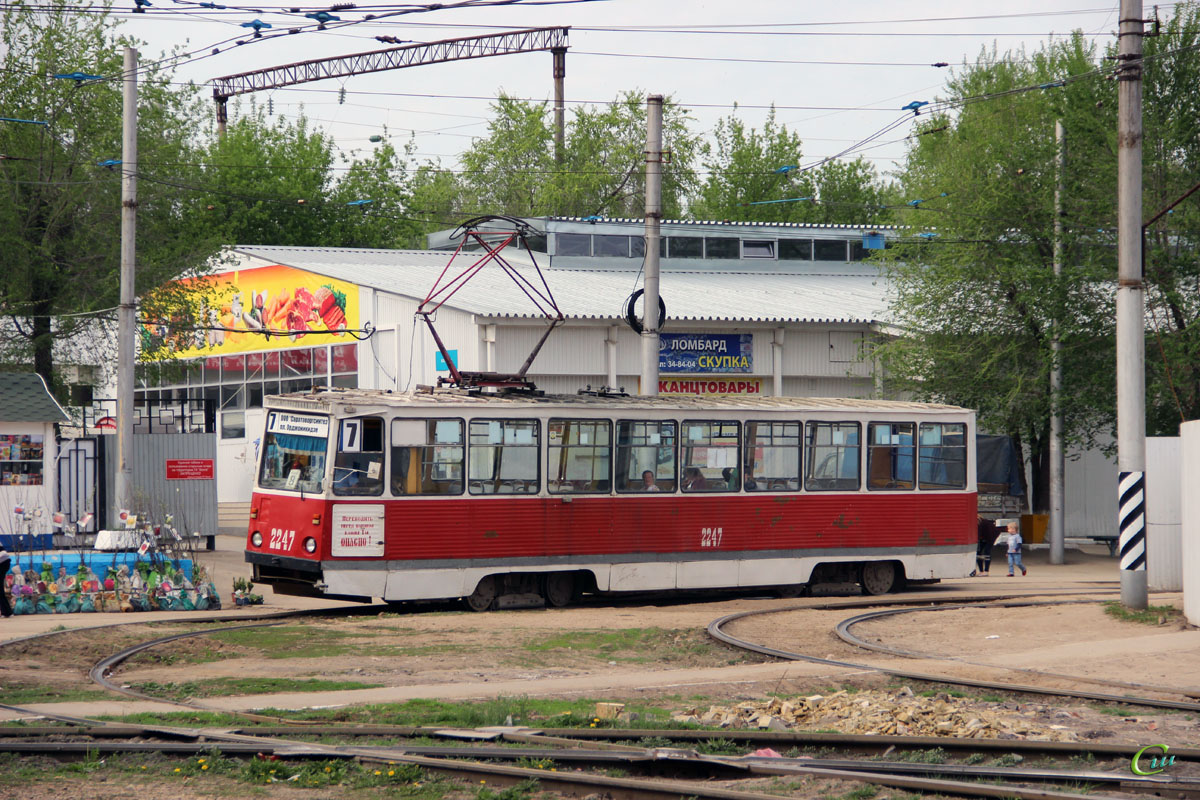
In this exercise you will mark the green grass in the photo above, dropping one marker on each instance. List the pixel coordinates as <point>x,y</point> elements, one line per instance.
<point>250,776</point>
<point>1115,711</point>
<point>17,695</point>
<point>222,687</point>
<point>294,641</point>
<point>630,645</point>
<point>428,712</point>
<point>1151,615</point>
<point>934,755</point>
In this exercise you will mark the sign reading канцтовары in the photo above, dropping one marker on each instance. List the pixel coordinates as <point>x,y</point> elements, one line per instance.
<point>702,353</point>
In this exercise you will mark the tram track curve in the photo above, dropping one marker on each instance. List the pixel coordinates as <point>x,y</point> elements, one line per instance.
<point>715,630</point>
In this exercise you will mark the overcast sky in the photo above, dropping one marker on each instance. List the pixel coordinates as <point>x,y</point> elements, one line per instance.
<point>721,52</point>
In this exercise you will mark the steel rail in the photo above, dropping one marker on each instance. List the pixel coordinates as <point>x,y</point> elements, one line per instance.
<point>715,630</point>
<point>842,629</point>
<point>624,788</point>
<point>656,756</point>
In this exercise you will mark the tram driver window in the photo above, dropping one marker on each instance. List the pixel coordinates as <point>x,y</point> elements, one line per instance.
<point>832,449</point>
<point>503,456</point>
<point>427,457</point>
<point>579,456</point>
<point>943,455</point>
<point>772,457</point>
<point>645,456</point>
<point>890,454</point>
<point>358,467</point>
<point>710,456</point>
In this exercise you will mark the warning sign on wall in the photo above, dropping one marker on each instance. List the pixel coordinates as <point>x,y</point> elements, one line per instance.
<point>190,469</point>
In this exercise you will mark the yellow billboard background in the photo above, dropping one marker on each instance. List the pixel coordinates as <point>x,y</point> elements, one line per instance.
<point>257,306</point>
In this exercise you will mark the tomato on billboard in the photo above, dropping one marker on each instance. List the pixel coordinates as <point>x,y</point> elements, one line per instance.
<point>265,308</point>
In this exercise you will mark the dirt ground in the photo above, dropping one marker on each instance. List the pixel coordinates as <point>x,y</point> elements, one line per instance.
<point>635,650</point>
<point>633,647</point>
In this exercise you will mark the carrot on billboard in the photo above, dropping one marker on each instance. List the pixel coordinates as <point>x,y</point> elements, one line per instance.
<point>265,308</point>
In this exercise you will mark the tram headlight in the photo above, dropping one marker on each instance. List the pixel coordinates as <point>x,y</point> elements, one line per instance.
<point>310,545</point>
<point>256,539</point>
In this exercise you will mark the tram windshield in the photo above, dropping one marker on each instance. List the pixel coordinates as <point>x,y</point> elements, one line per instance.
<point>294,451</point>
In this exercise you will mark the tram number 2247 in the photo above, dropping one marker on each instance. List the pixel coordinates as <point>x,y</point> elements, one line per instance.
<point>710,537</point>
<point>281,539</point>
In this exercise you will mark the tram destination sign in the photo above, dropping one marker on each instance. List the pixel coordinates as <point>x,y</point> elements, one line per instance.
<point>297,424</point>
<point>705,353</point>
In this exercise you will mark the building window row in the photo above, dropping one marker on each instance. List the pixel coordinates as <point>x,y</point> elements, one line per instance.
<point>711,248</point>
<point>241,381</point>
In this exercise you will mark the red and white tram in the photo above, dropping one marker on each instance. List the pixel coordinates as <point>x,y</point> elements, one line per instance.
<point>516,500</point>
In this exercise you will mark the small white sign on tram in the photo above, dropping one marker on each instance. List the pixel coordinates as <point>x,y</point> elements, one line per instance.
<point>297,424</point>
<point>357,530</point>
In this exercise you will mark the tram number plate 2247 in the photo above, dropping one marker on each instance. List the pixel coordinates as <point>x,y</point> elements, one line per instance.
<point>710,537</point>
<point>281,539</point>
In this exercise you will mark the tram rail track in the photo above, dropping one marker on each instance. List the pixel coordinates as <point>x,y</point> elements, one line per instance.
<point>594,748</point>
<point>953,779</point>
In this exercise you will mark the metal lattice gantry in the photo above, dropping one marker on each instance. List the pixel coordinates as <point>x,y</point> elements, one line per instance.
<point>412,55</point>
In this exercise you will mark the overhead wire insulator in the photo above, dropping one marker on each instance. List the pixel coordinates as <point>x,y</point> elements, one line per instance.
<point>342,96</point>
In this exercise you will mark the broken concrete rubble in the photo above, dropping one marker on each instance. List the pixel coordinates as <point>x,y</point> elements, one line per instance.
<point>896,711</point>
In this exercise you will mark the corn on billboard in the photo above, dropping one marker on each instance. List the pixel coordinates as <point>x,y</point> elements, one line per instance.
<point>265,308</point>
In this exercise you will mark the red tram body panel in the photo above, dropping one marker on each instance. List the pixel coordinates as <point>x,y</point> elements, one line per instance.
<point>433,496</point>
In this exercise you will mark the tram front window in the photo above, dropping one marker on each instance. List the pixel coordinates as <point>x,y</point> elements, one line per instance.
<point>294,449</point>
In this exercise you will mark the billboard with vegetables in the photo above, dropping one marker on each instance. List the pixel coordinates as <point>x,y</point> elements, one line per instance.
<point>248,307</point>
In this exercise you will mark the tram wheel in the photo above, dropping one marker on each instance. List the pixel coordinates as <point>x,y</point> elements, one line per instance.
<point>484,595</point>
<point>788,591</point>
<point>878,577</point>
<point>560,589</point>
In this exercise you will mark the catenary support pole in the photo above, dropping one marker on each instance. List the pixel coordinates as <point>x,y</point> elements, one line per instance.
<point>1131,316</point>
<point>126,348</point>
<point>654,104</point>
<point>559,55</point>
<point>1057,462</point>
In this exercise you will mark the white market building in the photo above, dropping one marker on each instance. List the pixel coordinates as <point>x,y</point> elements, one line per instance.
<point>796,303</point>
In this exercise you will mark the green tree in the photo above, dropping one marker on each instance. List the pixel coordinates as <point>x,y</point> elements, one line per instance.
<point>757,175</point>
<point>513,170</point>
<point>59,211</point>
<point>266,182</point>
<point>975,295</point>
<point>1171,155</point>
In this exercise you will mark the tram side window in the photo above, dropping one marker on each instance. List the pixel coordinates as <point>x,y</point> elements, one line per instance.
<point>772,456</point>
<point>890,455</point>
<point>832,456</point>
<point>358,466</point>
<point>579,456</point>
<point>645,456</point>
<point>710,456</point>
<point>503,456</point>
<point>943,455</point>
<point>427,456</point>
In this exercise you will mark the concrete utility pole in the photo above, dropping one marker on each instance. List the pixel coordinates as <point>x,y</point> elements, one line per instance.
<point>126,347</point>
<point>1131,314</point>
<point>654,107</point>
<point>1057,526</point>
<point>560,112</point>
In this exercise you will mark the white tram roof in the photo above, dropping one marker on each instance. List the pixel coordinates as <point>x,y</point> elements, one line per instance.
<point>371,400</point>
<point>814,292</point>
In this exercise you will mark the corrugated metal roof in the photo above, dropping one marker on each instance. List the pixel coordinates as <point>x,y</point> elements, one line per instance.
<point>824,297</point>
<point>25,398</point>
